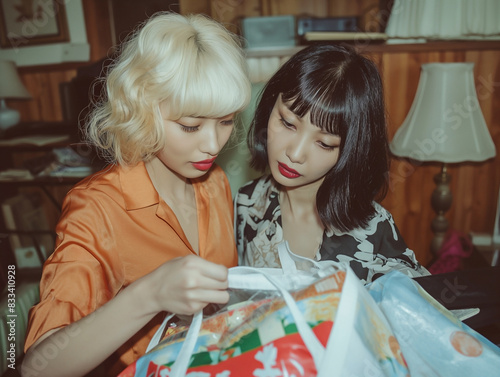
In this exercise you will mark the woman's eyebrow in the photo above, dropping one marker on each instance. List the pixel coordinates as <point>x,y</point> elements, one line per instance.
<point>287,107</point>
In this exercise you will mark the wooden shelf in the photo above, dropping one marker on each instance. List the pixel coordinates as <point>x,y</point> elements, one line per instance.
<point>377,44</point>
<point>466,45</point>
<point>315,36</point>
<point>272,52</point>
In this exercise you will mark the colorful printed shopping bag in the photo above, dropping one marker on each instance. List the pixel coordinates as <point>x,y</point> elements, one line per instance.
<point>286,334</point>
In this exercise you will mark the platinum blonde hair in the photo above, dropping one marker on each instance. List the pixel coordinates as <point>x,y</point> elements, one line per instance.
<point>191,63</point>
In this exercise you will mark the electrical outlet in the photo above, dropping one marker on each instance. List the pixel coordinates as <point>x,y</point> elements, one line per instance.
<point>481,239</point>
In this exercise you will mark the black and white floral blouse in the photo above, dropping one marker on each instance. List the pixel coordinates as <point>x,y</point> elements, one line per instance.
<point>370,252</point>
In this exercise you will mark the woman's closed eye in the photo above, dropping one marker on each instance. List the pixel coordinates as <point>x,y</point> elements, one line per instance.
<point>327,147</point>
<point>188,128</point>
<point>287,124</point>
<point>227,122</point>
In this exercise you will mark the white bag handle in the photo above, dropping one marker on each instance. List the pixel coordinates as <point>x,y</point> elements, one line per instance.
<point>262,279</point>
<point>317,350</point>
<point>181,364</point>
<point>247,279</point>
<point>157,336</point>
<point>287,263</point>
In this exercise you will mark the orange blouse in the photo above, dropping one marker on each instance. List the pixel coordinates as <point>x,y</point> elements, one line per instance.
<point>114,229</point>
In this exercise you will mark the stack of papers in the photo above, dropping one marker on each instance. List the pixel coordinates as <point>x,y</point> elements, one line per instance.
<point>15,175</point>
<point>37,140</point>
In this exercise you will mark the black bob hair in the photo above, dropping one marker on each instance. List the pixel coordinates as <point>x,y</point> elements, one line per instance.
<point>343,92</point>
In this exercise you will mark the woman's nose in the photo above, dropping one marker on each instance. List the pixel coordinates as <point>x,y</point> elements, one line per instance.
<point>296,150</point>
<point>210,142</point>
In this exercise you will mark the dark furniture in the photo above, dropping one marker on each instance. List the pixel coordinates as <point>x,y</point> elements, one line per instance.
<point>477,285</point>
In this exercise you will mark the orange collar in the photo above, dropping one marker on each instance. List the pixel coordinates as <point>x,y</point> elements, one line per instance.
<point>137,188</point>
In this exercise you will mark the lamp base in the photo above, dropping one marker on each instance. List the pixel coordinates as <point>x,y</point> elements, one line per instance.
<point>8,117</point>
<point>441,202</point>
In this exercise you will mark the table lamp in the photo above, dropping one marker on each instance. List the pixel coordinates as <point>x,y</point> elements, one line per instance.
<point>445,124</point>
<point>10,87</point>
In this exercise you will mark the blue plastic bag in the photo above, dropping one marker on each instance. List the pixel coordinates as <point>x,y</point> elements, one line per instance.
<point>433,341</point>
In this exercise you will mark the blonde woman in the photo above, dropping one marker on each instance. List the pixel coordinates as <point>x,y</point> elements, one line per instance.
<point>152,232</point>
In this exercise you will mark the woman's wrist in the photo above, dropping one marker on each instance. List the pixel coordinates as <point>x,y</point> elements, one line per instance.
<point>140,296</point>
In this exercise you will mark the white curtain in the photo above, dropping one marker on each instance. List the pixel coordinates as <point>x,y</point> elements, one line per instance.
<point>261,69</point>
<point>444,19</point>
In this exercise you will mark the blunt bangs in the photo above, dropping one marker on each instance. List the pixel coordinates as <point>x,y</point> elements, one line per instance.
<point>327,107</point>
<point>207,88</point>
<point>319,85</point>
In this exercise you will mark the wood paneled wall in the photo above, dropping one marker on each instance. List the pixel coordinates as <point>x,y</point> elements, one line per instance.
<point>475,186</point>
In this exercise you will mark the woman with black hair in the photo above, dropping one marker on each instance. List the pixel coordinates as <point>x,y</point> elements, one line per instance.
<point>320,129</point>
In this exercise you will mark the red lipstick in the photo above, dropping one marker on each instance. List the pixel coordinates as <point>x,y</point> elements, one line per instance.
<point>204,165</point>
<point>287,172</point>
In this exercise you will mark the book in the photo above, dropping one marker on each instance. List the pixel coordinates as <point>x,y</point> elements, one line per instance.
<point>15,174</point>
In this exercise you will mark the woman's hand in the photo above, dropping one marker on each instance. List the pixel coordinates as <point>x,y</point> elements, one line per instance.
<point>184,286</point>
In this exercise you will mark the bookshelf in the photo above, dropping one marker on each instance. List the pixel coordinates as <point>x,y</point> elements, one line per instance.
<point>29,201</point>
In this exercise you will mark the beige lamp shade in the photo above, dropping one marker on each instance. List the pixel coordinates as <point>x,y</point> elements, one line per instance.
<point>10,83</point>
<point>445,122</point>
<point>10,87</point>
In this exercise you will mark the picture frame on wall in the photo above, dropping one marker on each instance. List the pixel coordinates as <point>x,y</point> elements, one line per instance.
<point>32,22</point>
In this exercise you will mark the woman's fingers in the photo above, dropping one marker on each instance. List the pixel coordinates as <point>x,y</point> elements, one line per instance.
<point>186,285</point>
<point>203,267</point>
<point>207,296</point>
